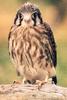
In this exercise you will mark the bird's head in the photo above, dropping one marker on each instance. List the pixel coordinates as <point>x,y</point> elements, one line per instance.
<point>28,15</point>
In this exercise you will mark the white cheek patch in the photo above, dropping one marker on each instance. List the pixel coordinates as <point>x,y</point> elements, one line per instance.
<point>18,21</point>
<point>37,21</point>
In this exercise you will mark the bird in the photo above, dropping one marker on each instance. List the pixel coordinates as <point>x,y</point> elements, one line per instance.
<point>32,47</point>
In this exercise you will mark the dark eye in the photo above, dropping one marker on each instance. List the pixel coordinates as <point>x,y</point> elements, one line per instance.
<point>18,19</point>
<point>34,15</point>
<point>21,16</point>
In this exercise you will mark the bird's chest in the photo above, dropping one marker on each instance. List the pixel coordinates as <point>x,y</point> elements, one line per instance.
<point>28,51</point>
<point>28,47</point>
<point>32,46</point>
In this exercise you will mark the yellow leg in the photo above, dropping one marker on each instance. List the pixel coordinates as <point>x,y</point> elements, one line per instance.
<point>20,82</point>
<point>16,82</point>
<point>40,83</point>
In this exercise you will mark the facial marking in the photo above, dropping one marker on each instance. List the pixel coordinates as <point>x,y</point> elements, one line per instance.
<point>29,15</point>
<point>27,20</point>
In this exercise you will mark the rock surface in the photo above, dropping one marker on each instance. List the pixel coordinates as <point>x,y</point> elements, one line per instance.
<point>31,92</point>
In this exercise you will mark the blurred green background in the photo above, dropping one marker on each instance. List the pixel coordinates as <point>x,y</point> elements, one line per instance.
<point>54,13</point>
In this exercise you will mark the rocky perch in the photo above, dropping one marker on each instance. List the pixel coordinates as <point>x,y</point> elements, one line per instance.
<point>31,92</point>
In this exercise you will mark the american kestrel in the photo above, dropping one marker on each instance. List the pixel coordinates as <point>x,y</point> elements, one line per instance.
<point>32,47</point>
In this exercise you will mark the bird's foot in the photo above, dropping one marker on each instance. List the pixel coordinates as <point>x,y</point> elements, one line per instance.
<point>16,82</point>
<point>40,83</point>
<point>24,81</point>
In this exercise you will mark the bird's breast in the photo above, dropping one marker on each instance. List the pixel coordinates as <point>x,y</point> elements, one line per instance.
<point>28,51</point>
<point>33,49</point>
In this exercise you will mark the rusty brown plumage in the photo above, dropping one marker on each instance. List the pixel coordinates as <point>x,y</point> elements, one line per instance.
<point>33,51</point>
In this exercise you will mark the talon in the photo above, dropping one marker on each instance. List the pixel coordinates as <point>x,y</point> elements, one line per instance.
<point>40,83</point>
<point>16,82</point>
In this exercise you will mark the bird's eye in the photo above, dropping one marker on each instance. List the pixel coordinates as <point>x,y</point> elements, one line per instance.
<point>18,19</point>
<point>21,16</point>
<point>34,15</point>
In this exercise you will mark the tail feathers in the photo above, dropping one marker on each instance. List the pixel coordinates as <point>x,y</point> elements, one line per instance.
<point>54,79</point>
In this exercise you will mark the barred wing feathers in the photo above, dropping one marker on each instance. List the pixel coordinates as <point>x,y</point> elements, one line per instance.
<point>52,44</point>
